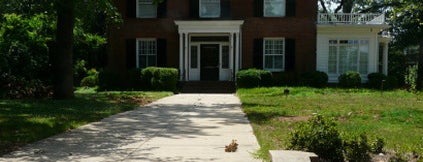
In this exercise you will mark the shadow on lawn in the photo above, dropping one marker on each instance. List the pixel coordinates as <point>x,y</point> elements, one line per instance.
<point>26,121</point>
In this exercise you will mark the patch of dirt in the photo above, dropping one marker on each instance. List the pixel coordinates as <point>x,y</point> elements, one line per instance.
<point>293,118</point>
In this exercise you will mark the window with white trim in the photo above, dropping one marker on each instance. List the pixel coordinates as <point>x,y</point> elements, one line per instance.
<point>146,9</point>
<point>274,8</point>
<point>146,53</point>
<point>274,54</point>
<point>210,8</point>
<point>348,55</point>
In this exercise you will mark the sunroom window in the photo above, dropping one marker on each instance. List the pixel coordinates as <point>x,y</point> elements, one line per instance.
<point>146,9</point>
<point>348,55</point>
<point>274,8</point>
<point>146,53</point>
<point>210,8</point>
<point>274,54</point>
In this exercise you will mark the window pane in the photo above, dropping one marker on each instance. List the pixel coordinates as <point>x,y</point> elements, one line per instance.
<point>194,57</point>
<point>364,52</point>
<point>146,9</point>
<point>343,66</point>
<point>268,63</point>
<point>143,61</point>
<point>278,62</point>
<point>332,59</point>
<point>210,8</point>
<point>225,57</point>
<point>151,60</point>
<point>274,8</point>
<point>352,58</point>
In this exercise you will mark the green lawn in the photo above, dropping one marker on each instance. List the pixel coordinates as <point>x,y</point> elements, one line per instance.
<point>396,116</point>
<point>25,121</point>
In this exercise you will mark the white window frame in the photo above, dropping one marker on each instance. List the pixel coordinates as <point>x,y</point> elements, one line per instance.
<point>142,2</point>
<point>356,43</point>
<point>206,16</point>
<point>138,54</point>
<point>283,14</point>
<point>283,54</point>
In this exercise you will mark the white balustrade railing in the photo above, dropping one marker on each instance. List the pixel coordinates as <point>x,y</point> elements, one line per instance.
<point>350,18</point>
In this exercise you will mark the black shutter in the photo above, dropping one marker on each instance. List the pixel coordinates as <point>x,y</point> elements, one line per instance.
<point>131,50</point>
<point>162,9</point>
<point>194,9</point>
<point>289,54</point>
<point>258,53</point>
<point>258,8</point>
<point>131,10</point>
<point>225,8</point>
<point>291,7</point>
<point>161,52</point>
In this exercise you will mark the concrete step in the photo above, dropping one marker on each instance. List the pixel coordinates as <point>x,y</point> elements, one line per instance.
<point>292,156</point>
<point>208,87</point>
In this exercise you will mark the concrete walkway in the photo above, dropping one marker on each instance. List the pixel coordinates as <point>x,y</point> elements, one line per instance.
<point>185,127</point>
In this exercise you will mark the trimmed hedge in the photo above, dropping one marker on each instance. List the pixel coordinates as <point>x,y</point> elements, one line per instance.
<point>251,78</point>
<point>108,80</point>
<point>376,80</point>
<point>134,80</point>
<point>316,79</point>
<point>350,79</point>
<point>160,79</point>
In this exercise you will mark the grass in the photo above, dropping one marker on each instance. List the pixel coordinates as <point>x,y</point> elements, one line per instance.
<point>29,120</point>
<point>396,116</point>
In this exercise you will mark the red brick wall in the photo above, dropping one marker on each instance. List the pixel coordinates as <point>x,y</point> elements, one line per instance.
<point>302,28</point>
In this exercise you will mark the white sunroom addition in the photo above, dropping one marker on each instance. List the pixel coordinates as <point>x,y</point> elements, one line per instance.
<point>351,42</point>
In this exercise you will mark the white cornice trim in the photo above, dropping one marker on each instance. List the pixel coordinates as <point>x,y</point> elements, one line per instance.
<point>210,26</point>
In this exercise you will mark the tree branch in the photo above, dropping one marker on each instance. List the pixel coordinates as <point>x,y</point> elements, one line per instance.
<point>322,3</point>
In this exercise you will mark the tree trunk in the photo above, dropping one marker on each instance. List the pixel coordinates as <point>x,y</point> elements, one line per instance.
<point>62,57</point>
<point>419,82</point>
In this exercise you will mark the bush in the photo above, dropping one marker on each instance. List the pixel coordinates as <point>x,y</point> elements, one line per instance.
<point>108,80</point>
<point>378,145</point>
<point>13,87</point>
<point>160,79</point>
<point>350,79</point>
<point>91,80</point>
<point>318,135</point>
<point>251,78</point>
<point>134,79</point>
<point>375,80</point>
<point>280,79</point>
<point>410,77</point>
<point>316,79</point>
<point>357,149</point>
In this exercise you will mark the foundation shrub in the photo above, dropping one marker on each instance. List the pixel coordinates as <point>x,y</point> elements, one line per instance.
<point>251,78</point>
<point>108,80</point>
<point>160,79</point>
<point>350,79</point>
<point>316,79</point>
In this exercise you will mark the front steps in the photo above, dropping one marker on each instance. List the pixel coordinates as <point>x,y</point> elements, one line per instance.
<point>208,87</point>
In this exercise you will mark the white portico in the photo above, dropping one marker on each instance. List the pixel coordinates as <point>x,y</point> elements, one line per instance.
<point>209,50</point>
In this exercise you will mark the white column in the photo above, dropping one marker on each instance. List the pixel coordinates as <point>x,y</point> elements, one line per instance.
<point>237,52</point>
<point>186,56</point>
<point>231,55</point>
<point>385,58</point>
<point>181,56</point>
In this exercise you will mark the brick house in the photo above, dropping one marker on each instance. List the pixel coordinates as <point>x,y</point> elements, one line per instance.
<point>211,40</point>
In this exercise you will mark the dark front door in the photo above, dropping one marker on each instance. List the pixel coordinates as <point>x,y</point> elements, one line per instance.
<point>209,62</point>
